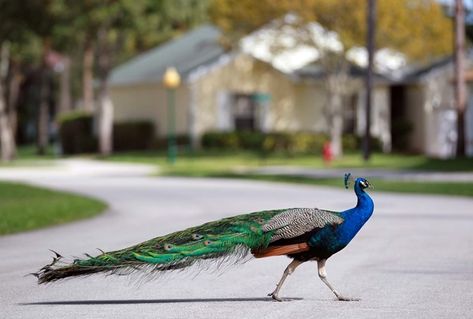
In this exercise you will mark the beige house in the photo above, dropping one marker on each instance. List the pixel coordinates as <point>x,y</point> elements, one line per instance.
<point>425,100</point>
<point>234,91</point>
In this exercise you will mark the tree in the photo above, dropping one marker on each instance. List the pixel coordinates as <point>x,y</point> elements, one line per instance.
<point>14,34</point>
<point>430,35</point>
<point>117,29</point>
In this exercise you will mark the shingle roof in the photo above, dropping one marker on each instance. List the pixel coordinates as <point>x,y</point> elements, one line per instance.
<point>193,49</point>
<point>316,71</point>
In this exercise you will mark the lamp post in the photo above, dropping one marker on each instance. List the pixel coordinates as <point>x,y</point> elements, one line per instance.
<point>171,81</point>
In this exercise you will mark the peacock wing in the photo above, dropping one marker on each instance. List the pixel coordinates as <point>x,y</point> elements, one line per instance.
<point>298,221</point>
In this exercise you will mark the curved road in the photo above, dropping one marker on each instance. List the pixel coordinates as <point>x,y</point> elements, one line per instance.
<point>413,259</point>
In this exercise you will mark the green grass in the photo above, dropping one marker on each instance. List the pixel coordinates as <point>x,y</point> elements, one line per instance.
<point>440,188</point>
<point>203,163</point>
<point>237,165</point>
<point>24,207</point>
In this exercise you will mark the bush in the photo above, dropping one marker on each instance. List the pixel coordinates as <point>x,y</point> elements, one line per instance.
<point>350,143</point>
<point>290,143</point>
<point>76,132</point>
<point>181,140</point>
<point>221,140</point>
<point>311,143</point>
<point>133,135</point>
<point>375,144</point>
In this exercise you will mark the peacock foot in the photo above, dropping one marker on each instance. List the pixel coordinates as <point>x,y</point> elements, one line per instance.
<point>342,298</point>
<point>275,296</point>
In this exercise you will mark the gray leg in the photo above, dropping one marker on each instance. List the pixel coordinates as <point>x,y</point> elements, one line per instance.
<point>323,277</point>
<point>289,270</point>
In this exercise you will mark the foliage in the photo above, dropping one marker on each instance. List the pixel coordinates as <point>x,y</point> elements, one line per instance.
<point>133,135</point>
<point>429,36</point>
<point>72,115</point>
<point>42,208</point>
<point>290,143</point>
<point>219,161</point>
<point>76,133</point>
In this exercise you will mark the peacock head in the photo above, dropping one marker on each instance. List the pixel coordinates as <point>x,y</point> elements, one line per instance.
<point>360,183</point>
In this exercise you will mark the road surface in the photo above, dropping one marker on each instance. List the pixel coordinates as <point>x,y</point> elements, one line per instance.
<point>413,259</point>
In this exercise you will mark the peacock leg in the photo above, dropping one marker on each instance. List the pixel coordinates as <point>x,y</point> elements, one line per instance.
<point>323,277</point>
<point>289,270</point>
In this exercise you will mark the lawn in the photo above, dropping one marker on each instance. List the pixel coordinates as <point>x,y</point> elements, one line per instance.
<point>237,165</point>
<point>24,207</point>
<point>203,163</point>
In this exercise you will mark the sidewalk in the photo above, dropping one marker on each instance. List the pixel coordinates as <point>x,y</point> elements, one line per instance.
<point>73,168</point>
<point>400,175</point>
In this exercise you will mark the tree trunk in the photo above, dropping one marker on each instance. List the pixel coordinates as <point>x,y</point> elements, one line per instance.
<point>460,87</point>
<point>13,94</point>
<point>88,77</point>
<point>43,113</point>
<point>336,85</point>
<point>65,87</point>
<point>105,128</point>
<point>7,141</point>
<point>105,120</point>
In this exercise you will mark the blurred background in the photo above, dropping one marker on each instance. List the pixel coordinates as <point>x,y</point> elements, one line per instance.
<point>285,77</point>
<point>144,113</point>
<point>296,91</point>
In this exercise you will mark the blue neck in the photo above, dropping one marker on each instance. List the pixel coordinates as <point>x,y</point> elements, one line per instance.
<point>357,216</point>
<point>365,204</point>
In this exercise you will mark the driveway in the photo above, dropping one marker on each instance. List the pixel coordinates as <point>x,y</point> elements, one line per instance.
<point>413,259</point>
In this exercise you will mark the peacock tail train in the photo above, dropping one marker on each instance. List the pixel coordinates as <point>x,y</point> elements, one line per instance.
<point>234,236</point>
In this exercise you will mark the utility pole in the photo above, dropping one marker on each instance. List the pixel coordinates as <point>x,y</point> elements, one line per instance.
<point>460,90</point>
<point>371,23</point>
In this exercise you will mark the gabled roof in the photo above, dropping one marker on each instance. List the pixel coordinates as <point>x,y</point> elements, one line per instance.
<point>421,73</point>
<point>193,49</point>
<point>315,71</point>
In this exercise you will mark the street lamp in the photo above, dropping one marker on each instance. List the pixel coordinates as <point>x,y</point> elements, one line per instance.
<point>171,81</point>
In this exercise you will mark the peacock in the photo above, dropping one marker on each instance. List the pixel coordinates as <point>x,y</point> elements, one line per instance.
<point>302,234</point>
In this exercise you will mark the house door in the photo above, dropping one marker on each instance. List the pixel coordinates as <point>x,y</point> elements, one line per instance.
<point>400,125</point>
<point>244,112</point>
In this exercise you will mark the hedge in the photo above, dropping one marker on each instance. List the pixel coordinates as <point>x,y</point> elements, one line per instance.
<point>285,142</point>
<point>301,142</point>
<point>133,135</point>
<point>76,133</point>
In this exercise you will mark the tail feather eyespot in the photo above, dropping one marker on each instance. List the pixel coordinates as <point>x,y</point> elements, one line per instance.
<point>197,236</point>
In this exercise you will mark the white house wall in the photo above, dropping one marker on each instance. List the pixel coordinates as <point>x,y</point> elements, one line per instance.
<point>148,102</point>
<point>416,116</point>
<point>246,75</point>
<point>380,115</point>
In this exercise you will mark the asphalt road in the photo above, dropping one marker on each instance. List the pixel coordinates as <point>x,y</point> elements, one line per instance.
<point>413,259</point>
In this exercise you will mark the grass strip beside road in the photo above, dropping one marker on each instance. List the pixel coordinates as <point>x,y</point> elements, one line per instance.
<point>237,165</point>
<point>438,188</point>
<point>24,207</point>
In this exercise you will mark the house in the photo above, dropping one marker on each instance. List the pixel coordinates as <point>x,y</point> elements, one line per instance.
<point>237,90</point>
<point>424,101</point>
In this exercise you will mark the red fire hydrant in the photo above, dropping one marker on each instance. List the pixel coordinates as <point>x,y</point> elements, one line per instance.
<point>327,153</point>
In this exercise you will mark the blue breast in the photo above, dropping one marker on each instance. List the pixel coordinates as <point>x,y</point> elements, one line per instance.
<point>332,239</point>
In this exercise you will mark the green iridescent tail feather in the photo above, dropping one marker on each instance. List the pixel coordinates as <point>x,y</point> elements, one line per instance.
<point>235,236</point>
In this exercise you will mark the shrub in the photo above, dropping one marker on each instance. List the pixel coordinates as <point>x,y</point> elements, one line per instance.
<point>221,140</point>
<point>133,135</point>
<point>350,143</point>
<point>181,140</point>
<point>311,143</point>
<point>76,132</point>
<point>290,143</point>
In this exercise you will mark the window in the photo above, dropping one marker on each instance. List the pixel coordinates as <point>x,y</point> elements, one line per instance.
<point>244,112</point>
